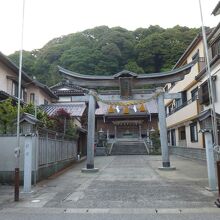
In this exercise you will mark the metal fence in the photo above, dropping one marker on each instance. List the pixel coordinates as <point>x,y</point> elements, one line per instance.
<point>53,148</point>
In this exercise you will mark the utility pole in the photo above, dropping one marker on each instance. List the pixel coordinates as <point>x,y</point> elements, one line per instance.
<point>210,85</point>
<point>17,149</point>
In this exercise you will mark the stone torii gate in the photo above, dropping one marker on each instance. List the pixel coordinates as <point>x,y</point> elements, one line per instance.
<point>126,81</point>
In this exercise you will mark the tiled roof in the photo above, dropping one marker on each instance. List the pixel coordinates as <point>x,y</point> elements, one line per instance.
<point>216,10</point>
<point>74,109</point>
<point>150,106</point>
<point>29,118</point>
<point>66,88</point>
<point>68,92</point>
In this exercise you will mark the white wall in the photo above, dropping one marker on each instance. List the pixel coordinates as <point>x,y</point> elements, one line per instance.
<point>7,158</point>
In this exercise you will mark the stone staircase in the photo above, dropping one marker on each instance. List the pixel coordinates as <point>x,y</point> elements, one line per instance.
<point>129,148</point>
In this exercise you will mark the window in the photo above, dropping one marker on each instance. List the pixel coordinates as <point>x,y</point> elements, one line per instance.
<point>32,98</point>
<point>216,48</point>
<point>168,137</point>
<point>194,94</point>
<point>193,132</point>
<point>203,94</point>
<point>173,137</point>
<point>15,89</point>
<point>184,97</point>
<point>196,55</point>
<point>169,109</point>
<point>182,133</point>
<point>178,103</point>
<point>24,95</point>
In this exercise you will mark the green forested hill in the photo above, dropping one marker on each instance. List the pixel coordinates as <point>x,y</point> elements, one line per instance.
<point>103,51</point>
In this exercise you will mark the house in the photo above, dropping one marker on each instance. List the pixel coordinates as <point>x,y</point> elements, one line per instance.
<point>66,92</point>
<point>183,125</point>
<point>184,116</point>
<point>32,91</point>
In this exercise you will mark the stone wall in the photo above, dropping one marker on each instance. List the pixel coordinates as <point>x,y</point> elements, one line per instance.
<point>192,153</point>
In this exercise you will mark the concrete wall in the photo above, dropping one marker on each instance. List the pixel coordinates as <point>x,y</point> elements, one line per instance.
<point>63,154</point>
<point>7,158</point>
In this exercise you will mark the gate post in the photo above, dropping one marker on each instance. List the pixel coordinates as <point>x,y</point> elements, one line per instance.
<point>163,131</point>
<point>90,137</point>
<point>28,164</point>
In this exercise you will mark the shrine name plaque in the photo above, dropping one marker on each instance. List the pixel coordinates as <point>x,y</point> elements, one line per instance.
<point>126,87</point>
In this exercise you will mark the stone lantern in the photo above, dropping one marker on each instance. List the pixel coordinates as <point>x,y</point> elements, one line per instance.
<point>28,124</point>
<point>205,122</point>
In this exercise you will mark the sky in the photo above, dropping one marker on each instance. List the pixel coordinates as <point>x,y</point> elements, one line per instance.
<point>47,19</point>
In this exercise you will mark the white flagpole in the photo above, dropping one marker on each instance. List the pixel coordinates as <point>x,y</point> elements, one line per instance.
<point>17,150</point>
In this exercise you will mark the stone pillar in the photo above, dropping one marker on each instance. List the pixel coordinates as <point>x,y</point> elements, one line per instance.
<point>27,164</point>
<point>139,131</point>
<point>210,161</point>
<point>115,131</point>
<point>163,131</point>
<point>90,137</point>
<point>107,134</point>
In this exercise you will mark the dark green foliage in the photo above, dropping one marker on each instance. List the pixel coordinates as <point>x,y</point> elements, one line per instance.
<point>106,51</point>
<point>42,116</point>
<point>155,138</point>
<point>8,113</point>
<point>60,122</point>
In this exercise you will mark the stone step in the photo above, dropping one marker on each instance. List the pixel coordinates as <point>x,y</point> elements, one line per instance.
<point>129,148</point>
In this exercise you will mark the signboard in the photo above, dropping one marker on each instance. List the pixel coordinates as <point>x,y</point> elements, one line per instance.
<point>126,87</point>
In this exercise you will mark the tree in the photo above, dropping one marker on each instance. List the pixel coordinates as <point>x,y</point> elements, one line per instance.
<point>63,123</point>
<point>8,113</point>
<point>133,67</point>
<point>106,51</point>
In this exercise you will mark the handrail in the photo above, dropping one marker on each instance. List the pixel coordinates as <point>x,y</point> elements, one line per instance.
<point>181,106</point>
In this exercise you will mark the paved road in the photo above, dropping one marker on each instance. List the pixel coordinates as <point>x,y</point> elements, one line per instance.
<point>127,187</point>
<point>49,216</point>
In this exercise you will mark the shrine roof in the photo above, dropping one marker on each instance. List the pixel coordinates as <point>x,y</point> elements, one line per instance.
<point>74,109</point>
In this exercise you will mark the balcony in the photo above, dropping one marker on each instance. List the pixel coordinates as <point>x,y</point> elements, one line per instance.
<point>183,113</point>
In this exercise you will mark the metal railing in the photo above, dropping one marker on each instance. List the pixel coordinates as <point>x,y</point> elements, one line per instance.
<point>53,148</point>
<point>181,106</point>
